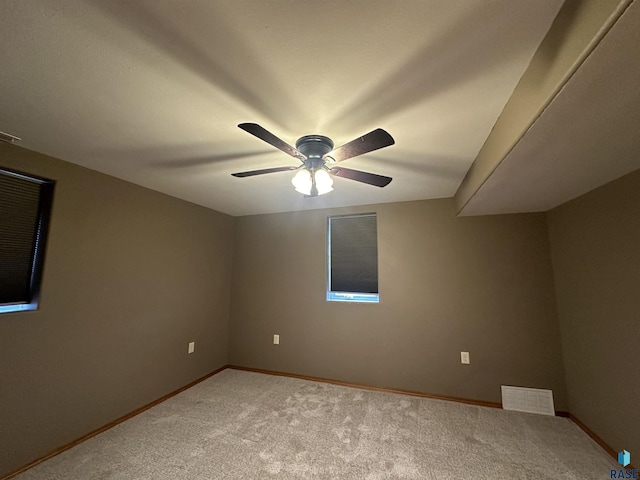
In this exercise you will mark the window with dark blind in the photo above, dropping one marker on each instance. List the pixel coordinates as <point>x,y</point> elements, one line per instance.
<point>25,205</point>
<point>353,258</point>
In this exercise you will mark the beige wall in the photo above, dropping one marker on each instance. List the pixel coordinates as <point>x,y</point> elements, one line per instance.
<point>595,242</point>
<point>447,284</point>
<point>130,277</point>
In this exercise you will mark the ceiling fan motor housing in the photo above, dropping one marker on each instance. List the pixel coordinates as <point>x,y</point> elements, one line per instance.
<point>314,145</point>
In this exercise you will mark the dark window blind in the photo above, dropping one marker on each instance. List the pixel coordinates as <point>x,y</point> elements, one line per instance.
<point>354,253</point>
<point>24,209</point>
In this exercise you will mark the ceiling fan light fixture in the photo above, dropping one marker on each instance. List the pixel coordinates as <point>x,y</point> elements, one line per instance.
<point>324,182</point>
<point>302,181</point>
<point>314,176</point>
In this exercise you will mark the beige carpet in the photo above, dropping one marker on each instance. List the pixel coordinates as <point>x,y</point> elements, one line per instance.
<point>243,425</point>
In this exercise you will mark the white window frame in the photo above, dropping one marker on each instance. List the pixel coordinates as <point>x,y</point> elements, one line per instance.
<point>351,297</point>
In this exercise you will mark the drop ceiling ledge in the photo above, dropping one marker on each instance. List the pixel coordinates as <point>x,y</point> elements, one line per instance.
<point>578,29</point>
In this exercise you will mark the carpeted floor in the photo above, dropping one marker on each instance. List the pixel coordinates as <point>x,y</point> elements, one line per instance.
<point>244,425</point>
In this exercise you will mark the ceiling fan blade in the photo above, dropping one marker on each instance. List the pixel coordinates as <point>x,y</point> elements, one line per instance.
<point>369,142</point>
<point>265,135</point>
<point>363,177</point>
<point>251,173</point>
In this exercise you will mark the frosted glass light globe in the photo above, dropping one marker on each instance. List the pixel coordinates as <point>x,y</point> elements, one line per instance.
<point>302,181</point>
<point>324,182</point>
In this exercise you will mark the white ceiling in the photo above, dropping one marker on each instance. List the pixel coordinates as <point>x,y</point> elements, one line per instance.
<point>152,91</point>
<point>588,135</point>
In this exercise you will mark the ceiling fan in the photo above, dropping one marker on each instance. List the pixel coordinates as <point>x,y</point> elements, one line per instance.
<point>318,157</point>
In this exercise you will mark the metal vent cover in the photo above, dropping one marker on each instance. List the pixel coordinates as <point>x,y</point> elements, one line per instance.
<point>530,400</point>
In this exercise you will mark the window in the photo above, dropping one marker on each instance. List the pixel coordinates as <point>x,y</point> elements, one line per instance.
<point>352,257</point>
<point>25,205</point>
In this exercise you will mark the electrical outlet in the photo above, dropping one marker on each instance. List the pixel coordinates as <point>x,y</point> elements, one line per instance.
<point>464,358</point>
<point>192,347</point>
<point>276,339</point>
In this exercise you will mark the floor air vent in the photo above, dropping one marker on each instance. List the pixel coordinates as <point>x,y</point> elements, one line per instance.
<point>530,400</point>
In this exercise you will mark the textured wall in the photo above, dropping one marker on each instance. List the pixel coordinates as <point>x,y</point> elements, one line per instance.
<point>595,244</point>
<point>447,284</point>
<point>130,277</point>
